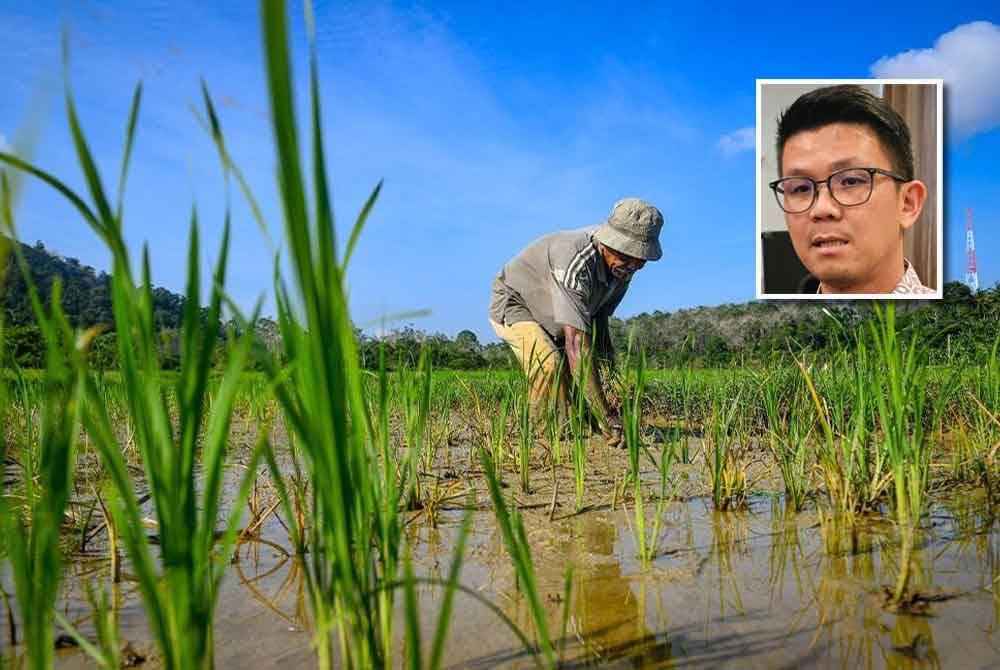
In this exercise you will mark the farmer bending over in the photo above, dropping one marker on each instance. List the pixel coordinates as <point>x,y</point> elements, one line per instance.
<point>557,295</point>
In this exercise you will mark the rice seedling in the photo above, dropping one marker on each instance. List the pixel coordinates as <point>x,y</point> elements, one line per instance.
<point>962,455</point>
<point>355,504</point>
<point>584,383</point>
<point>180,600</point>
<point>683,401</point>
<point>486,412</point>
<point>723,453</point>
<point>525,440</point>
<point>390,524</point>
<point>648,545</point>
<point>32,531</point>
<point>853,467</point>
<point>687,392</point>
<point>788,428</point>
<point>321,393</point>
<point>556,412</point>
<point>631,411</point>
<point>844,454</point>
<point>902,411</point>
<point>632,395</point>
<point>441,428</point>
<point>499,431</point>
<point>416,400</point>
<point>856,472</point>
<point>579,453</point>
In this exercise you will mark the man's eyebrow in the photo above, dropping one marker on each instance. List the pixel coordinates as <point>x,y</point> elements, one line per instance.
<point>852,161</point>
<point>849,162</point>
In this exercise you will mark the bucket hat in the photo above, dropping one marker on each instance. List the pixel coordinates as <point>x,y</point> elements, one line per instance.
<point>633,228</point>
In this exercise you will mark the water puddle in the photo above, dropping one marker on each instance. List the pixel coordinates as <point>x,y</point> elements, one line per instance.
<point>752,589</point>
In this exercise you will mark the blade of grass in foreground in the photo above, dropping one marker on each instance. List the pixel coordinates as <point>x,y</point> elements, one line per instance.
<point>321,394</point>
<point>516,542</point>
<point>180,601</point>
<point>181,611</point>
<point>31,538</point>
<point>342,441</point>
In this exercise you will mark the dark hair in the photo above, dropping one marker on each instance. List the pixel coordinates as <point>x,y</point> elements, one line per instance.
<point>849,103</point>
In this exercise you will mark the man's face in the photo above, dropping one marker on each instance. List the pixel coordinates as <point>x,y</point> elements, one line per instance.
<point>856,249</point>
<point>621,265</point>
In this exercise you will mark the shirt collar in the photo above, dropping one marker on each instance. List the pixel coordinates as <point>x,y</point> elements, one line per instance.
<point>604,274</point>
<point>910,282</point>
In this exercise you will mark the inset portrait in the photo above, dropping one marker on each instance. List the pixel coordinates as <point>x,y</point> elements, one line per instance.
<point>849,189</point>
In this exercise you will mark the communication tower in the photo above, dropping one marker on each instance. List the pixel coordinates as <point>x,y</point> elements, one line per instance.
<point>971,274</point>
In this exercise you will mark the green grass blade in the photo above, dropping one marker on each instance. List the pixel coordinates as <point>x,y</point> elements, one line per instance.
<point>229,166</point>
<point>133,117</point>
<point>83,153</point>
<point>359,224</point>
<point>68,193</point>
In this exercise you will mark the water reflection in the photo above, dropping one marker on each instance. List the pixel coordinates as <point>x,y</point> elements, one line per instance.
<point>730,536</point>
<point>975,538</point>
<point>785,552</point>
<point>912,644</point>
<point>605,614</point>
<point>846,617</point>
<point>758,589</point>
<point>273,581</point>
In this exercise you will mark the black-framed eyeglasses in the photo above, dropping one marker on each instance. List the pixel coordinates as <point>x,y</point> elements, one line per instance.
<point>849,187</point>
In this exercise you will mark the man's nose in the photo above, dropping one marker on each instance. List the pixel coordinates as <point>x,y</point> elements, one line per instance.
<point>825,206</point>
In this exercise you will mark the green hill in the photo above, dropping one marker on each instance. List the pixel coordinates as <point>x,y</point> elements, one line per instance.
<point>86,295</point>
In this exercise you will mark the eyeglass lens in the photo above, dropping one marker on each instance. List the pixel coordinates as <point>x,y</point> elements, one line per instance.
<point>848,187</point>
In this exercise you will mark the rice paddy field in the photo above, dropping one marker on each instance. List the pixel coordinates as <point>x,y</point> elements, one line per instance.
<point>295,510</point>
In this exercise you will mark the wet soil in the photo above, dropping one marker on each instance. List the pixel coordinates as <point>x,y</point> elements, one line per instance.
<point>756,588</point>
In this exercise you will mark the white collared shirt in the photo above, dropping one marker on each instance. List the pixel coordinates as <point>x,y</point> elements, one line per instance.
<point>909,284</point>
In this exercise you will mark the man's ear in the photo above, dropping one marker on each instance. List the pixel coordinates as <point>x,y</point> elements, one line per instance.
<point>912,196</point>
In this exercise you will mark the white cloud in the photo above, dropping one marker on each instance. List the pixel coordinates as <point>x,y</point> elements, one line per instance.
<point>743,139</point>
<point>4,146</point>
<point>968,59</point>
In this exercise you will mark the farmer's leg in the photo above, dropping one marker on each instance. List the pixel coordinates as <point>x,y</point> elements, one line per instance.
<point>539,358</point>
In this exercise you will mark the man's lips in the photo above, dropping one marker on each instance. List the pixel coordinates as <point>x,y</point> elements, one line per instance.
<point>828,242</point>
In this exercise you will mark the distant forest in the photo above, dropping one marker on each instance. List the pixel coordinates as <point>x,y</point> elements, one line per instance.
<point>962,326</point>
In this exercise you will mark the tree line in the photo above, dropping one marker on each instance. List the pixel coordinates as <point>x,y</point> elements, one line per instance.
<point>86,300</point>
<point>961,326</point>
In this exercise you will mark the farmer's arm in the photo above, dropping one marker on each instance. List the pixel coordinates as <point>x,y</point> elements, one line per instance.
<point>578,349</point>
<point>605,346</point>
<point>602,326</point>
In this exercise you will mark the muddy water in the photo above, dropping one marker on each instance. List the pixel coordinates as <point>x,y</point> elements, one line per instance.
<point>754,589</point>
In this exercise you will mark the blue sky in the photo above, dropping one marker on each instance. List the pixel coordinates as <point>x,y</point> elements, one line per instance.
<point>490,127</point>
